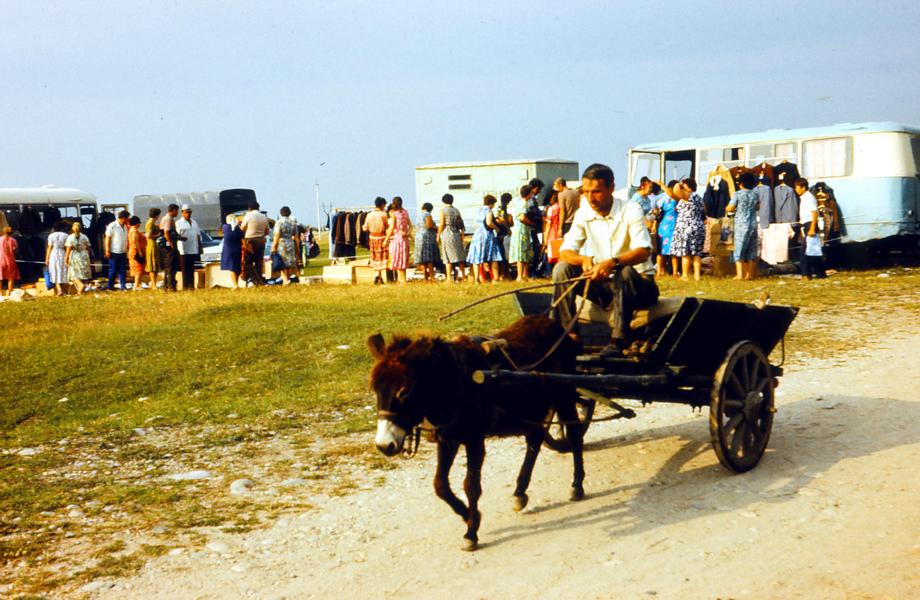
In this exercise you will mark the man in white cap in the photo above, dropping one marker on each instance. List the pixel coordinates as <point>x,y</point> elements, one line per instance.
<point>189,246</point>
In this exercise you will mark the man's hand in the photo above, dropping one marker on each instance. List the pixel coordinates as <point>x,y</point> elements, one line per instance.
<point>108,254</point>
<point>601,270</point>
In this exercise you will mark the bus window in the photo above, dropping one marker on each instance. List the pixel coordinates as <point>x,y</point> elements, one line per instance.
<point>87,214</point>
<point>712,157</point>
<point>758,153</point>
<point>785,151</point>
<point>69,212</point>
<point>12,217</point>
<point>827,158</point>
<point>645,164</point>
<point>678,165</point>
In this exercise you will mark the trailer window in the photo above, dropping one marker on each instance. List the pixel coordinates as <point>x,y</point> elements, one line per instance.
<point>459,182</point>
<point>827,158</point>
<point>760,153</point>
<point>784,151</point>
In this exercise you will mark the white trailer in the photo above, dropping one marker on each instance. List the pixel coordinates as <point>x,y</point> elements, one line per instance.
<point>468,182</point>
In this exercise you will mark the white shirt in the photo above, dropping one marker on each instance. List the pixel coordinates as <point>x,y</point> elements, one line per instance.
<point>255,224</point>
<point>118,237</point>
<point>807,205</point>
<point>191,233</point>
<point>607,237</point>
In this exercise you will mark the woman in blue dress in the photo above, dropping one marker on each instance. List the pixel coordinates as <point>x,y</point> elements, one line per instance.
<point>231,253</point>
<point>484,250</point>
<point>667,205</point>
<point>426,242</point>
<point>744,205</point>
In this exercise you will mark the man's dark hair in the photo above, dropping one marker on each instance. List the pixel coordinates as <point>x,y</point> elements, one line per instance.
<point>536,184</point>
<point>154,213</point>
<point>397,202</point>
<point>380,202</point>
<point>599,172</point>
<point>60,226</point>
<point>672,183</point>
<point>447,199</point>
<point>123,214</point>
<point>135,220</point>
<point>526,190</point>
<point>285,211</point>
<point>644,180</point>
<point>252,205</point>
<point>506,198</point>
<point>802,182</point>
<point>690,182</point>
<point>427,207</point>
<point>656,188</point>
<point>172,207</point>
<point>748,180</point>
<point>488,200</point>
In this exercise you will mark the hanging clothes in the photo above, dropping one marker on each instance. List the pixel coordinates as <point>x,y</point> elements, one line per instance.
<point>776,243</point>
<point>765,210</point>
<point>763,172</point>
<point>785,204</point>
<point>736,173</point>
<point>716,197</point>
<point>785,172</point>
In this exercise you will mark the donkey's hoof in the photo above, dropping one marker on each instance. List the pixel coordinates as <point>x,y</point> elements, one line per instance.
<point>469,545</point>
<point>577,493</point>
<point>520,502</point>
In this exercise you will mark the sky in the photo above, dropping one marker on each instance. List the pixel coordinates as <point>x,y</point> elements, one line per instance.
<point>134,97</point>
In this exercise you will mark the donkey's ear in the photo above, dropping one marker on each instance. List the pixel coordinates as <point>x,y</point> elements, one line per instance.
<point>376,345</point>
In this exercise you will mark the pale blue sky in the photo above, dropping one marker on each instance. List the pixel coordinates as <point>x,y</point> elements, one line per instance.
<point>129,97</point>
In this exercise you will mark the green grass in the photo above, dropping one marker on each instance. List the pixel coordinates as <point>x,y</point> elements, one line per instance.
<point>237,378</point>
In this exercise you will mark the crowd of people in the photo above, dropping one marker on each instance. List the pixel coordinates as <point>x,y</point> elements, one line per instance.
<point>170,245</point>
<point>515,237</point>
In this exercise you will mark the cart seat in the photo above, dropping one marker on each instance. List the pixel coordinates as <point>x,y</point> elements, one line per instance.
<point>665,307</point>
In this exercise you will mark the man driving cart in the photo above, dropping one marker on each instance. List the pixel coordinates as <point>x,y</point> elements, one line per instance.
<point>608,241</point>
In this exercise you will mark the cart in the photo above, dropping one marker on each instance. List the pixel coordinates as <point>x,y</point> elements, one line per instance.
<point>695,351</point>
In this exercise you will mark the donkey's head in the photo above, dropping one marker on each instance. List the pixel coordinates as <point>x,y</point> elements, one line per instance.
<point>402,381</point>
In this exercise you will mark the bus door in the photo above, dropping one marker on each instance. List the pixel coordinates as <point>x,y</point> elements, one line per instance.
<point>643,164</point>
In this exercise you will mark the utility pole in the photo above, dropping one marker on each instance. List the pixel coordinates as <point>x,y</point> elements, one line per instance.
<point>319,224</point>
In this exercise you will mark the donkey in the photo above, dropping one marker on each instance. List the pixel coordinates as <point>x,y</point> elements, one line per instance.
<point>429,378</point>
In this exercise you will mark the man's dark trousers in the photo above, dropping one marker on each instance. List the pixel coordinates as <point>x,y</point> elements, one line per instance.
<point>187,261</point>
<point>118,264</point>
<point>623,293</point>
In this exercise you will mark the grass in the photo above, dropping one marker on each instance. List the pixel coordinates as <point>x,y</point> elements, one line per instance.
<point>230,380</point>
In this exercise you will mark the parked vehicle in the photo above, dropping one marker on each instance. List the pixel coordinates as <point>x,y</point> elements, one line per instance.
<point>32,211</point>
<point>210,208</point>
<point>468,182</point>
<point>872,167</point>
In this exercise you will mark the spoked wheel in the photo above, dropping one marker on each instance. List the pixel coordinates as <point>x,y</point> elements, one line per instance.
<point>741,410</point>
<point>554,435</point>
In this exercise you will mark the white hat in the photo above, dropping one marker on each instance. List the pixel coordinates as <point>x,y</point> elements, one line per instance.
<point>186,207</point>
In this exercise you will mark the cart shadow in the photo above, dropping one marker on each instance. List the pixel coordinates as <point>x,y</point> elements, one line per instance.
<point>809,437</point>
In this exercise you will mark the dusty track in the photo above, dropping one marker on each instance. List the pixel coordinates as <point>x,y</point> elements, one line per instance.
<point>831,512</point>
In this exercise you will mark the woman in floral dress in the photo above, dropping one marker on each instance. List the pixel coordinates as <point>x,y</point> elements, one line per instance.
<point>667,204</point>
<point>398,237</point>
<point>484,252</point>
<point>689,229</point>
<point>744,205</point>
<point>78,257</point>
<point>54,257</point>
<point>450,236</point>
<point>521,248</point>
<point>286,242</point>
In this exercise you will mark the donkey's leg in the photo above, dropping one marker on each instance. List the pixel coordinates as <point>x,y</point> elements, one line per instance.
<point>472,485</point>
<point>447,451</point>
<point>575,434</point>
<point>534,441</point>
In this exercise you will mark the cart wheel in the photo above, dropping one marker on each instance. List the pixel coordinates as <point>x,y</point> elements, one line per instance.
<point>554,435</point>
<point>741,410</point>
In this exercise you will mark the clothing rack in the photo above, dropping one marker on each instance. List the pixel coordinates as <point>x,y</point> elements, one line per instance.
<point>336,210</point>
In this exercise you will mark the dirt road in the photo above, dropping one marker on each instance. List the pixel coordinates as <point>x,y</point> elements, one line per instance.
<point>831,512</point>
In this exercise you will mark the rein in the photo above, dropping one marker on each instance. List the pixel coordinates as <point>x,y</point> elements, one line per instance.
<point>509,292</point>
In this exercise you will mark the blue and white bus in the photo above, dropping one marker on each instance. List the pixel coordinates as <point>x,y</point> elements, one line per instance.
<point>873,168</point>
